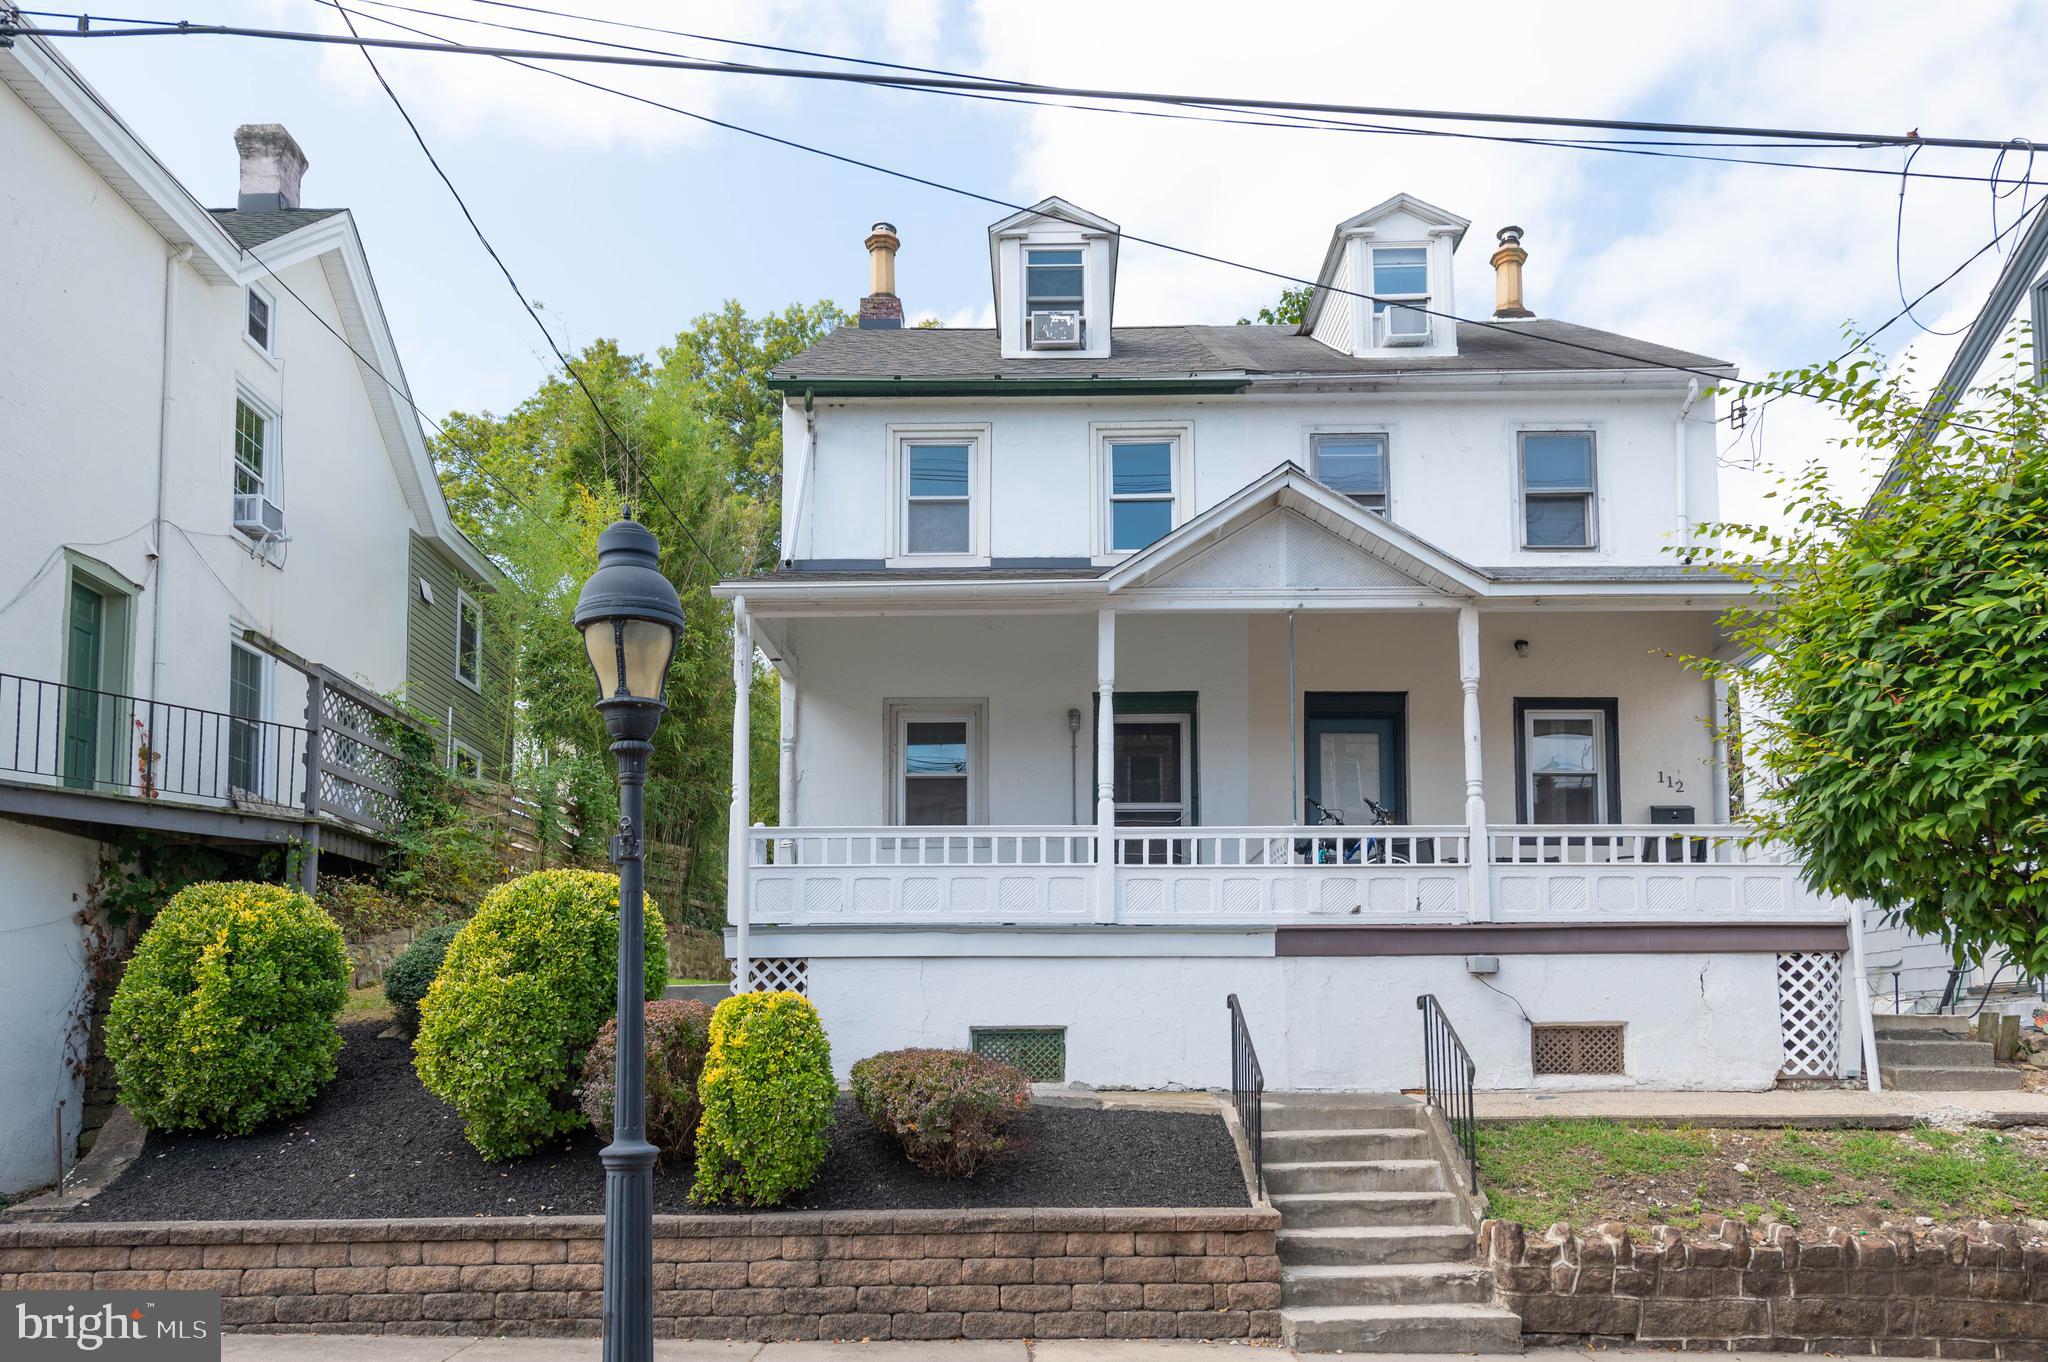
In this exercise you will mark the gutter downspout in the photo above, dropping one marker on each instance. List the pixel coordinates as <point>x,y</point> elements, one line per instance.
<point>172,265</point>
<point>1681,497</point>
<point>736,906</point>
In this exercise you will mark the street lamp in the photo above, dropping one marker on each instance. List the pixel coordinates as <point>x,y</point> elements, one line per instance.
<point>629,616</point>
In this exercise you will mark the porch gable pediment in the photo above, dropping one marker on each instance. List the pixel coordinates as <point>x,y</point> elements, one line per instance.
<point>1284,550</point>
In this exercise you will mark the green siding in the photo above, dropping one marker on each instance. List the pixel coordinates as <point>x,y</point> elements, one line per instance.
<point>483,719</point>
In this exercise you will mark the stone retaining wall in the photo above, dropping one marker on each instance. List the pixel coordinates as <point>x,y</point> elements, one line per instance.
<point>1886,1292</point>
<point>772,1276</point>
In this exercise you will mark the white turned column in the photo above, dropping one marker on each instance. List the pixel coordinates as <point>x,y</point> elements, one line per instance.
<point>785,788</point>
<point>736,907</point>
<point>1105,766</point>
<point>1475,781</point>
<point>1721,812</point>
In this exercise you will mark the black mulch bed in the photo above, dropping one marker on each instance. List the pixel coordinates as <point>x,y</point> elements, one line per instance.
<point>375,1145</point>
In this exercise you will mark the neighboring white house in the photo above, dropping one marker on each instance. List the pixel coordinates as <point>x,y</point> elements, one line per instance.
<point>1081,628</point>
<point>209,499</point>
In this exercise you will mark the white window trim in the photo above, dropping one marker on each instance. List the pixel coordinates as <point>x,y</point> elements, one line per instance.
<point>1601,737</point>
<point>458,749</point>
<point>273,444</point>
<point>269,352</point>
<point>1595,500</point>
<point>1100,436</point>
<point>1185,805</point>
<point>266,703</point>
<point>900,713</point>
<point>464,601</point>
<point>1429,323</point>
<point>1385,430</point>
<point>896,514</point>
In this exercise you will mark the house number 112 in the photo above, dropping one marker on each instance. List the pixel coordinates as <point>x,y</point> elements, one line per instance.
<point>1676,783</point>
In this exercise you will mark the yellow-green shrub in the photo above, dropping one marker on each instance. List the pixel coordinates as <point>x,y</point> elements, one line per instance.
<point>524,988</point>
<point>767,1092</point>
<point>225,1017</point>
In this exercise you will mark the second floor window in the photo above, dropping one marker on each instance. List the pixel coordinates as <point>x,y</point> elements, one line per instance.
<point>258,322</point>
<point>1558,509</point>
<point>252,450</point>
<point>1053,279</point>
<point>939,497</point>
<point>469,641</point>
<point>1141,493</point>
<point>1355,465</point>
<point>1400,274</point>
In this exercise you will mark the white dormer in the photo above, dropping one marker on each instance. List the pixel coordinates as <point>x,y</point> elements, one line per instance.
<point>1054,267</point>
<point>1386,272</point>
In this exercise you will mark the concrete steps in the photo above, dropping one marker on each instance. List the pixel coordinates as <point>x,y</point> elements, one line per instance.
<point>1937,1054</point>
<point>1375,1252</point>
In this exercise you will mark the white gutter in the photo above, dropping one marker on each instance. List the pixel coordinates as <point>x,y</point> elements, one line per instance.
<point>1680,491</point>
<point>172,264</point>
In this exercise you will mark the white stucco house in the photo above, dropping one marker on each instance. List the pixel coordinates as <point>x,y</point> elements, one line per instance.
<point>1087,634</point>
<point>213,498</point>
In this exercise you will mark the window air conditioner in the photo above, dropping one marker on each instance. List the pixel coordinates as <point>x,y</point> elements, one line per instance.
<point>258,517</point>
<point>1055,330</point>
<point>1403,326</point>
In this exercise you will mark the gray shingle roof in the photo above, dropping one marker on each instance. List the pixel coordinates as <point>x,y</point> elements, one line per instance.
<point>1220,351</point>
<point>253,229</point>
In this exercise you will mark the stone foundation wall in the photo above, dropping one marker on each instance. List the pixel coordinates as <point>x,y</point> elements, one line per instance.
<point>773,1276</point>
<point>1887,1292</point>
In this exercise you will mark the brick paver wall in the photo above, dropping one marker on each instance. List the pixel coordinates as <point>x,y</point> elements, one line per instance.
<point>1937,1293</point>
<point>772,1276</point>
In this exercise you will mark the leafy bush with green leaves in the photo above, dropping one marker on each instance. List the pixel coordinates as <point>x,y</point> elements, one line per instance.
<point>951,1110</point>
<point>768,1092</point>
<point>224,1019</point>
<point>407,979</point>
<point>678,1035</point>
<point>524,988</point>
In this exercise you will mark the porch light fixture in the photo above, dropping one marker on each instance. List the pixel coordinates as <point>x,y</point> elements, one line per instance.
<point>630,617</point>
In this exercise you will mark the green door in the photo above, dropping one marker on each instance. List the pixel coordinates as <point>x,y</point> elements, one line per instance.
<point>85,643</point>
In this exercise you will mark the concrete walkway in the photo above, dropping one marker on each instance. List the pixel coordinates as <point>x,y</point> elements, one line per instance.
<point>357,1348</point>
<point>1817,1108</point>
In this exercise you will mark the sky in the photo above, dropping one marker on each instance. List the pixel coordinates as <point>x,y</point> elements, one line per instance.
<point>622,220</point>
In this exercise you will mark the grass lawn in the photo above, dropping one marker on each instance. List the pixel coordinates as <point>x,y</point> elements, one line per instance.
<point>1586,1172</point>
<point>365,1004</point>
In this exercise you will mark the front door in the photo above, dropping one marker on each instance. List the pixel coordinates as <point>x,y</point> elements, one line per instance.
<point>84,646</point>
<point>1354,751</point>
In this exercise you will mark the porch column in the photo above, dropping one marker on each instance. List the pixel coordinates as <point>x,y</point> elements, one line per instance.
<point>1105,766</point>
<point>1718,717</point>
<point>785,785</point>
<point>1479,854</point>
<point>742,794</point>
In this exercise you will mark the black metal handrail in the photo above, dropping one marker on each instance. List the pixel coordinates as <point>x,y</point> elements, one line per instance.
<point>1248,1090</point>
<point>1447,1073</point>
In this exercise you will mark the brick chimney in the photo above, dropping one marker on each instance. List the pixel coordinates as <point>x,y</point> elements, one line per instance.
<point>1507,275</point>
<point>882,310</point>
<point>272,166</point>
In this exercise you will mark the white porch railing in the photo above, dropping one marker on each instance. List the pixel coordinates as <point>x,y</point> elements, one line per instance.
<point>1417,875</point>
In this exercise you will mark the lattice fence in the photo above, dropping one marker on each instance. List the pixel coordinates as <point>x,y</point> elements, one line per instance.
<point>780,974</point>
<point>359,771</point>
<point>1810,1014</point>
<point>1039,1051</point>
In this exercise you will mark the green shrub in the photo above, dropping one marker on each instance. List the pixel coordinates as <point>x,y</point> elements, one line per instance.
<point>678,1034</point>
<point>225,1017</point>
<point>768,1093</point>
<point>524,987</point>
<point>949,1109</point>
<point>407,979</point>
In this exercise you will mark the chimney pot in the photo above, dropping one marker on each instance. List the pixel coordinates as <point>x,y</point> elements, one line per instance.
<point>1507,275</point>
<point>272,166</point>
<point>882,310</point>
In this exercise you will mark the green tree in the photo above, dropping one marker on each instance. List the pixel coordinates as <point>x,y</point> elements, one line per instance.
<point>1897,690</point>
<point>1291,309</point>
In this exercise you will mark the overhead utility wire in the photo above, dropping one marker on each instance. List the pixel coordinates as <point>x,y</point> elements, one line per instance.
<point>187,29</point>
<point>631,480</point>
<point>1634,360</point>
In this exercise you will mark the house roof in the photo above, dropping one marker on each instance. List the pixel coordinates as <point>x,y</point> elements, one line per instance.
<point>253,229</point>
<point>1240,353</point>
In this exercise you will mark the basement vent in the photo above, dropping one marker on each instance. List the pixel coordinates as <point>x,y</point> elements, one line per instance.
<point>1581,1049</point>
<point>1040,1051</point>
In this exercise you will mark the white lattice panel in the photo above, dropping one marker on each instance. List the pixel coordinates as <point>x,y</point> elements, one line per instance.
<point>1387,897</point>
<point>921,896</point>
<point>1763,896</point>
<point>772,898</point>
<point>870,896</point>
<point>823,897</point>
<point>969,897</point>
<point>1144,898</point>
<point>1616,895</point>
<point>781,974</point>
<point>1194,898</point>
<point>1810,1013</point>
<point>1241,898</point>
<point>1067,898</point>
<point>1017,897</point>
<point>1439,895</point>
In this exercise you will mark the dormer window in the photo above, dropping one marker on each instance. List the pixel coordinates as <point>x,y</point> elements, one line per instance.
<point>1055,281</point>
<point>1400,274</point>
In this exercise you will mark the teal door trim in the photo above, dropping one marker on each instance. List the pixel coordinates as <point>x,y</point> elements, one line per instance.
<point>1382,712</point>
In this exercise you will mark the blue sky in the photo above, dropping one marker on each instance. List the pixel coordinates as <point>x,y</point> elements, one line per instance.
<point>625,221</point>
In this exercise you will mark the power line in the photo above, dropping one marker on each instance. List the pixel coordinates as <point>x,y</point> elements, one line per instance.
<point>188,29</point>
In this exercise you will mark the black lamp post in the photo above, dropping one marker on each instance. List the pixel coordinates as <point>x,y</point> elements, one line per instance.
<point>630,617</point>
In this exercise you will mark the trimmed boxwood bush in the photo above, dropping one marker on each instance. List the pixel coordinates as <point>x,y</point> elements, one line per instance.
<point>524,987</point>
<point>768,1093</point>
<point>224,1019</point>
<point>678,1034</point>
<point>407,979</point>
<point>949,1109</point>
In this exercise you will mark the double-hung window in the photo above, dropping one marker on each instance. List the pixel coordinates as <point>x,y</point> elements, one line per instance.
<point>1054,281</point>
<point>937,783</point>
<point>469,641</point>
<point>1152,780</point>
<point>257,323</point>
<point>1567,759</point>
<point>1559,510</point>
<point>1400,275</point>
<point>938,498</point>
<point>252,450</point>
<point>1141,491</point>
<point>1355,465</point>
